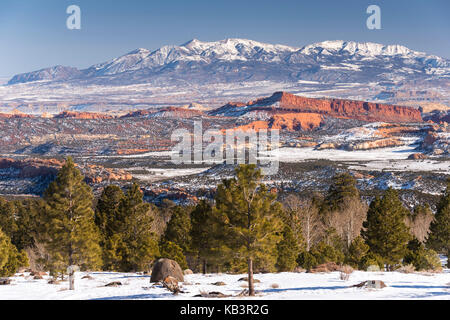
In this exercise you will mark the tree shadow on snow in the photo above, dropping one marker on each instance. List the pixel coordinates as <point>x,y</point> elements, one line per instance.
<point>412,286</point>
<point>144,296</point>
<point>305,289</point>
<point>119,275</point>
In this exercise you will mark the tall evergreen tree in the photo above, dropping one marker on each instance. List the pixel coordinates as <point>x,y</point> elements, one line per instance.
<point>107,210</point>
<point>109,221</point>
<point>139,247</point>
<point>204,234</point>
<point>385,230</point>
<point>72,234</point>
<point>439,238</point>
<point>29,218</point>
<point>250,216</point>
<point>178,229</point>
<point>7,217</point>
<point>342,189</point>
<point>287,251</point>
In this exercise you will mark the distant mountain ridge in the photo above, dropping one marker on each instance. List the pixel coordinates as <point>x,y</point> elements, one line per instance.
<point>236,60</point>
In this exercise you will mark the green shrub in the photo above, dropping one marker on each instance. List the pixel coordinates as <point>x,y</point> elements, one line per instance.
<point>371,259</point>
<point>356,252</point>
<point>325,253</point>
<point>10,258</point>
<point>306,260</point>
<point>287,250</point>
<point>319,254</point>
<point>421,258</point>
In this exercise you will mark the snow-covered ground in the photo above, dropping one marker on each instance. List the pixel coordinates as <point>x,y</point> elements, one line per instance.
<point>154,173</point>
<point>392,159</point>
<point>324,286</point>
<point>303,154</point>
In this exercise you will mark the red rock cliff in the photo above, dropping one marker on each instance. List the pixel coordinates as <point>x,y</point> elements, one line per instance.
<point>340,108</point>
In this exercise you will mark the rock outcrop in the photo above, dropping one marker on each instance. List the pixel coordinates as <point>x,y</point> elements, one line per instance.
<point>287,121</point>
<point>438,116</point>
<point>283,102</point>
<point>83,115</point>
<point>15,115</point>
<point>417,156</point>
<point>381,143</point>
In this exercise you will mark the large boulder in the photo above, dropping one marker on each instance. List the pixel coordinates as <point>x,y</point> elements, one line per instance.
<point>164,268</point>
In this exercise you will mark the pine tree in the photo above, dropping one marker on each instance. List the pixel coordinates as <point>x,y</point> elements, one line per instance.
<point>72,234</point>
<point>204,234</point>
<point>107,211</point>
<point>109,222</point>
<point>356,253</point>
<point>250,216</point>
<point>385,230</point>
<point>29,223</point>
<point>10,258</point>
<point>7,221</point>
<point>342,189</point>
<point>139,247</point>
<point>114,250</point>
<point>439,238</point>
<point>178,229</point>
<point>287,251</point>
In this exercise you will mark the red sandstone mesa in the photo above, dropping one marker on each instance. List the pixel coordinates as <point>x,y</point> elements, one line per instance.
<point>282,102</point>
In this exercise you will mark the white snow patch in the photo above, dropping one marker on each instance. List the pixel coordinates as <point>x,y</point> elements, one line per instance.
<point>323,286</point>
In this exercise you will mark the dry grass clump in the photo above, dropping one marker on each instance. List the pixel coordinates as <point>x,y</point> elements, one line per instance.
<point>345,272</point>
<point>409,268</point>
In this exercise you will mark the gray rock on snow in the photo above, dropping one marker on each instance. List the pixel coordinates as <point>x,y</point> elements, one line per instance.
<point>164,268</point>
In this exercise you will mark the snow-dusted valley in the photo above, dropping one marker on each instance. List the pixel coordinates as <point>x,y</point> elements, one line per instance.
<point>386,146</point>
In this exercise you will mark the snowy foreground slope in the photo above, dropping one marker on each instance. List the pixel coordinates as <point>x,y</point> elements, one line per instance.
<point>324,286</point>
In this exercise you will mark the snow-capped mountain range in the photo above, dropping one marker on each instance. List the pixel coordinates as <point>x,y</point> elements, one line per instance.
<point>235,60</point>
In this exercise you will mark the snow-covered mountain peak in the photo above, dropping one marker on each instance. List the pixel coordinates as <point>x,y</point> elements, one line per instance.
<point>240,59</point>
<point>235,48</point>
<point>140,51</point>
<point>357,48</point>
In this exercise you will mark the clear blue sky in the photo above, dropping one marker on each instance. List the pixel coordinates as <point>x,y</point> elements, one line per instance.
<point>33,33</point>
